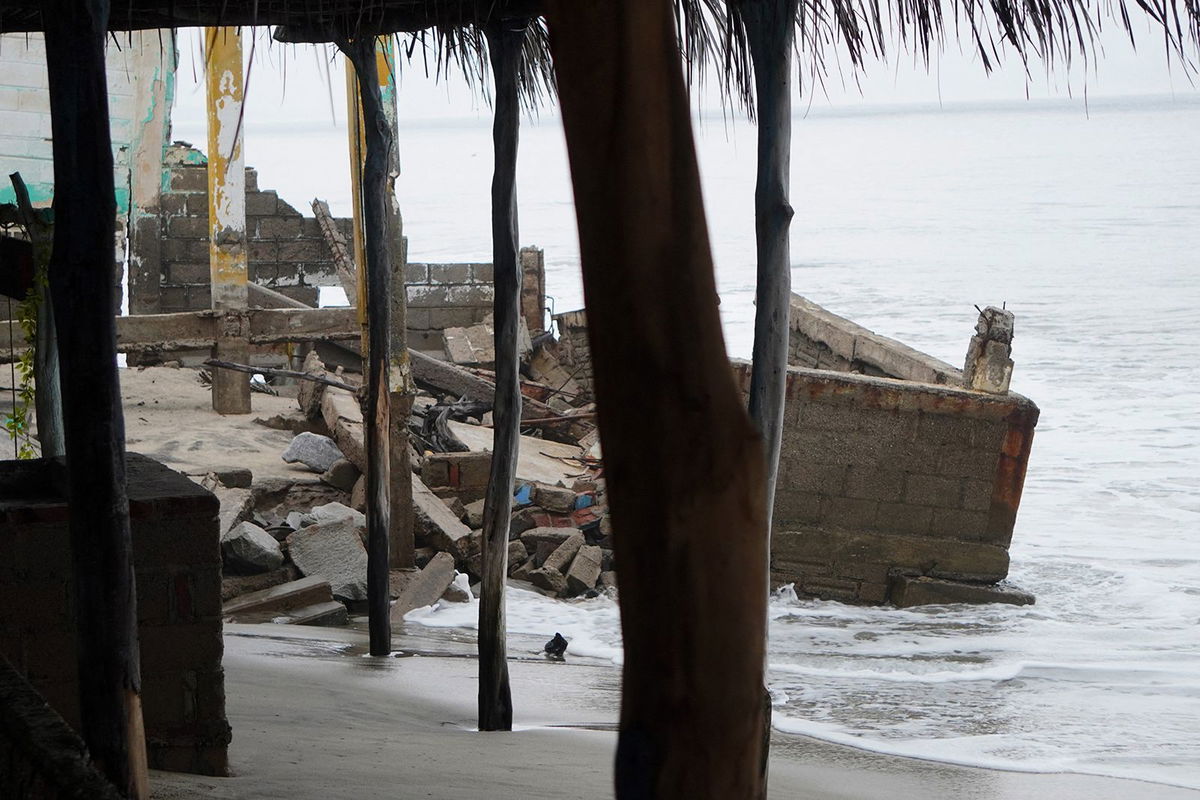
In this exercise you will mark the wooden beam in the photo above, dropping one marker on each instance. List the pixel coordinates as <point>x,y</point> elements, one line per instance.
<point>228,267</point>
<point>505,42</point>
<point>279,325</point>
<point>770,33</point>
<point>694,548</point>
<point>376,414</point>
<point>81,279</point>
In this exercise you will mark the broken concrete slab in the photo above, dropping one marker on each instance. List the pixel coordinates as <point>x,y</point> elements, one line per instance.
<point>434,520</point>
<point>358,495</point>
<point>342,474</point>
<point>237,505</point>
<point>471,347</point>
<point>523,570</point>
<point>237,585</point>
<point>538,460</point>
<point>343,417</point>
<point>908,591</point>
<point>247,548</point>
<point>329,615</point>
<point>426,588</point>
<point>314,451</point>
<point>334,551</point>
<point>534,537</point>
<point>608,580</point>
<point>584,571</point>
<point>562,556</point>
<point>276,600</point>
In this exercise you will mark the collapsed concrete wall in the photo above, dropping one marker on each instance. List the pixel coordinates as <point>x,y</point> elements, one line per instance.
<point>177,559</point>
<point>896,484</point>
<point>285,249</point>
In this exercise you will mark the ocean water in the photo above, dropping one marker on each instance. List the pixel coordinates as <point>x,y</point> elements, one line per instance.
<point>1087,224</point>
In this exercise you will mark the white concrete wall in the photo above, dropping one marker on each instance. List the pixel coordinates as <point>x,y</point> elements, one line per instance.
<point>25,143</point>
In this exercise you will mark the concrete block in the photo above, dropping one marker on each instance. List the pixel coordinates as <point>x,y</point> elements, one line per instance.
<point>334,551</point>
<point>957,523</point>
<point>931,490</point>
<point>426,588</point>
<point>331,614</point>
<point>564,554</point>
<point>904,518</point>
<point>237,505</point>
<point>908,591</point>
<point>554,498</point>
<point>474,514</point>
<point>584,571</point>
<point>434,520</point>
<point>874,484</point>
<point>534,537</point>
<point>276,600</point>
<point>846,512</point>
<point>549,579</point>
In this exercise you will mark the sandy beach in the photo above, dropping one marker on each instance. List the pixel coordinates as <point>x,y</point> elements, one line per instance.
<point>313,716</point>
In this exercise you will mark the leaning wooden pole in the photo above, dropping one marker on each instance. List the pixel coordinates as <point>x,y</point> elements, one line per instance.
<point>377,249</point>
<point>505,39</point>
<point>82,277</point>
<point>770,31</point>
<point>693,551</point>
<point>770,27</point>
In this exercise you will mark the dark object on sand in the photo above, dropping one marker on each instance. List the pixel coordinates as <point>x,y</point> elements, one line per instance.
<point>556,647</point>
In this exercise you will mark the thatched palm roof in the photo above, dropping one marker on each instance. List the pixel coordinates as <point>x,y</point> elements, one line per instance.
<point>711,34</point>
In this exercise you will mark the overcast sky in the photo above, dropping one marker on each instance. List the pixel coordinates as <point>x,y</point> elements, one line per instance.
<point>288,83</point>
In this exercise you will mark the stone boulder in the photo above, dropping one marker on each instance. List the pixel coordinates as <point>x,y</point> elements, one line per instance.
<point>248,548</point>
<point>314,451</point>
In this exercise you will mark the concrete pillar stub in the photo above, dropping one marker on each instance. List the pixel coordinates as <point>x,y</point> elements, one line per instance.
<point>227,256</point>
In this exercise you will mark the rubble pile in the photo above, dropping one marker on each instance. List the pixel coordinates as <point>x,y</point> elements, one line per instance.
<point>294,550</point>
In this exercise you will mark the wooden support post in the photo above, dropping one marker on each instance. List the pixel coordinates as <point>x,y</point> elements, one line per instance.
<point>770,33</point>
<point>80,273</point>
<point>354,128</point>
<point>505,39</point>
<point>227,214</point>
<point>377,247</point>
<point>694,548</point>
<point>401,389</point>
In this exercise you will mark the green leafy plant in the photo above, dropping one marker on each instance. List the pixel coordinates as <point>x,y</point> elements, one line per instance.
<point>17,423</point>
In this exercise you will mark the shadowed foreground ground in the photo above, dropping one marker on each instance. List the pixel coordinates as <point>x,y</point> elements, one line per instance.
<point>313,716</point>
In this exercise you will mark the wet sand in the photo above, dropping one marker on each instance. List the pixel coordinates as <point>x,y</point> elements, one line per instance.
<point>313,716</point>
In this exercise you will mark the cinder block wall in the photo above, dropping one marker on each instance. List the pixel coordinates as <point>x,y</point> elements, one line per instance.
<point>575,350</point>
<point>286,251</point>
<point>177,560</point>
<point>820,339</point>
<point>444,296</point>
<point>882,477</point>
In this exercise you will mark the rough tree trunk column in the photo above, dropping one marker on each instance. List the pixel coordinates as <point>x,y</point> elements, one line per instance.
<point>770,29</point>
<point>81,275</point>
<point>377,249</point>
<point>505,39</point>
<point>693,551</point>
<point>227,216</point>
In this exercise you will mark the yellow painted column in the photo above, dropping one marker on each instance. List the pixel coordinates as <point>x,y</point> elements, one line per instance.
<point>358,154</point>
<point>228,268</point>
